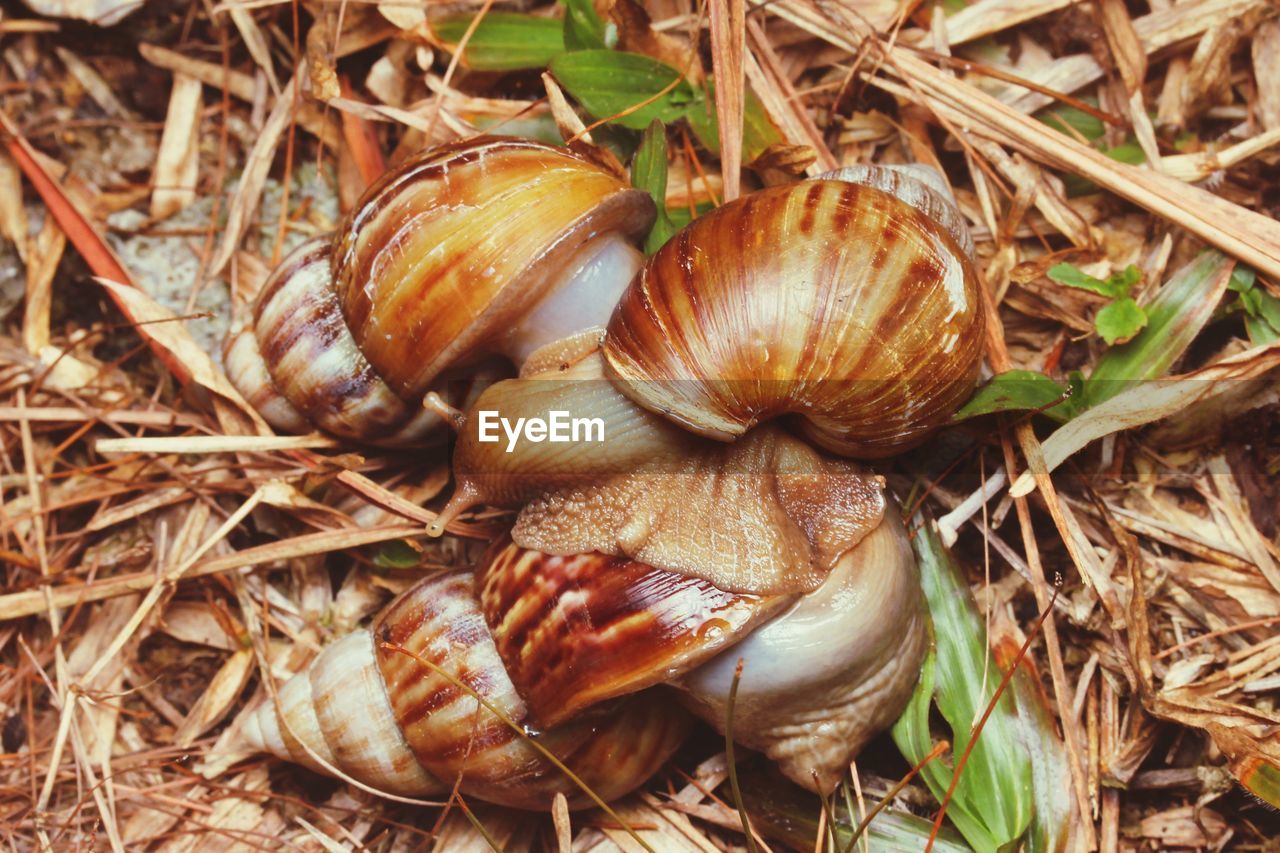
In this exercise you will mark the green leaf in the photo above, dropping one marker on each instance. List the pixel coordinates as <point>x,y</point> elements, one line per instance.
<point>649,173</point>
<point>1087,125</point>
<point>1269,309</point>
<point>1260,776</point>
<point>1242,279</point>
<point>1018,390</point>
<point>1050,791</point>
<point>1124,280</point>
<point>1128,152</point>
<point>1071,276</point>
<point>1261,309</point>
<point>1115,285</point>
<point>1175,316</point>
<point>1120,321</point>
<point>503,41</point>
<point>396,554</point>
<point>608,82</point>
<point>681,216</point>
<point>992,804</point>
<point>1262,331</point>
<point>758,131</point>
<point>583,29</point>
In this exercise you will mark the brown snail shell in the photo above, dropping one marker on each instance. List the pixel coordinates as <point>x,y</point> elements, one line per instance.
<point>491,245</point>
<point>339,711</point>
<point>769,306</point>
<point>573,650</point>
<point>449,250</point>
<point>576,630</point>
<point>386,708</point>
<point>832,301</point>
<point>298,364</point>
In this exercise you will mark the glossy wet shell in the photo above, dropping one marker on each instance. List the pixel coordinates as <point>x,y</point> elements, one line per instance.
<point>444,253</point>
<point>831,671</point>
<point>436,655</point>
<point>573,631</point>
<point>338,711</point>
<point>832,301</point>
<point>312,373</point>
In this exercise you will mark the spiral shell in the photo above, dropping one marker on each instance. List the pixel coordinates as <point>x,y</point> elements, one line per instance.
<point>432,270</point>
<point>423,701</point>
<point>448,249</point>
<point>299,366</point>
<point>831,671</point>
<point>830,300</point>
<point>462,674</point>
<point>577,630</point>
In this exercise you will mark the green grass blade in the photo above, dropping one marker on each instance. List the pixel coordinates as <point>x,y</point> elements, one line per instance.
<point>1051,793</point>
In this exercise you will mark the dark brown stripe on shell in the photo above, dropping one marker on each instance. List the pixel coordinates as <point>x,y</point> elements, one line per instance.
<point>574,631</point>
<point>812,200</point>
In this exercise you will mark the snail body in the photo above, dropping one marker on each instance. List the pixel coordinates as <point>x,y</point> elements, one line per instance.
<point>595,658</point>
<point>848,302</point>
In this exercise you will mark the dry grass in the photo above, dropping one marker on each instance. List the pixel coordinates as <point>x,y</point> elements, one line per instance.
<point>163,554</point>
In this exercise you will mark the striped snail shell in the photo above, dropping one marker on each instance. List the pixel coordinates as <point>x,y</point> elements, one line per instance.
<point>398,708</point>
<point>490,245</point>
<point>849,301</point>
<point>583,655</point>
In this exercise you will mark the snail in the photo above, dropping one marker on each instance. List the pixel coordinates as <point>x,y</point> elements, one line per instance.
<point>467,677</point>
<point>491,245</point>
<point>843,309</point>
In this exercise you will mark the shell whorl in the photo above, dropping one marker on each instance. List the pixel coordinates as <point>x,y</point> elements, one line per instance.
<point>433,269</point>
<point>576,630</point>
<point>831,671</point>
<point>582,654</point>
<point>832,301</point>
<point>298,364</point>
<point>449,250</point>
<point>340,708</point>
<point>919,186</point>
<point>822,672</point>
<point>396,708</point>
